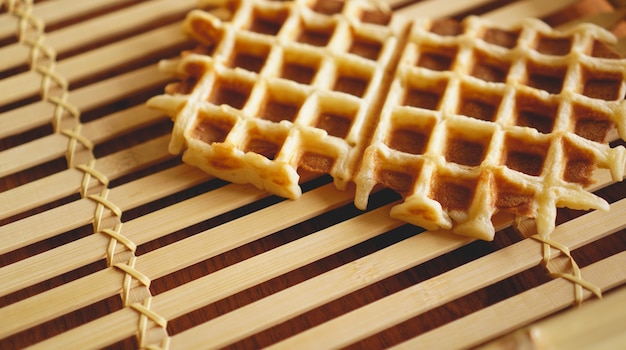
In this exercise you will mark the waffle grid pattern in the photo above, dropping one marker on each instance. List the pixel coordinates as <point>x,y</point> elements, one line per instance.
<point>481,119</point>
<point>474,119</point>
<point>287,86</point>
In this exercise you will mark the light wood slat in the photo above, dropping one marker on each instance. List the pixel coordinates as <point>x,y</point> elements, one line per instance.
<point>45,149</point>
<point>599,324</point>
<point>68,182</point>
<point>120,324</point>
<point>86,98</point>
<point>325,197</point>
<point>152,263</point>
<point>54,146</point>
<point>54,11</point>
<point>247,228</point>
<point>394,3</point>
<point>527,8</point>
<point>439,8</point>
<point>140,230</point>
<point>312,293</point>
<point>197,248</point>
<point>52,263</point>
<point>533,304</point>
<point>79,213</point>
<point>437,291</point>
<point>86,32</point>
<point>112,56</point>
<point>248,319</point>
<point>507,13</point>
<point>45,225</point>
<point>143,229</point>
<point>25,313</point>
<point>245,274</point>
<point>120,123</point>
<point>606,20</point>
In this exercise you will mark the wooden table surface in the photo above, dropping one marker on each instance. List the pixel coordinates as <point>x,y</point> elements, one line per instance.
<point>97,307</point>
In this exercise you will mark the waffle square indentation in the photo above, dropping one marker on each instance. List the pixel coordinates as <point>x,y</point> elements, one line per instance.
<point>545,78</point>
<point>268,21</point>
<point>446,27</point>
<point>249,55</point>
<point>231,91</point>
<point>535,113</point>
<point>478,104</point>
<point>601,50</point>
<point>365,47</point>
<point>579,164</point>
<point>513,197</point>
<point>500,37</point>
<point>453,193</point>
<point>265,143</point>
<point>399,181</point>
<point>591,124</point>
<point>315,35</point>
<point>525,156</point>
<point>212,128</point>
<point>602,85</point>
<point>425,94</point>
<point>327,7</point>
<point>352,79</point>
<point>464,151</point>
<point>279,105</point>
<point>335,116</point>
<point>553,45</point>
<point>437,59</point>
<point>376,17</point>
<point>488,68</point>
<point>299,69</point>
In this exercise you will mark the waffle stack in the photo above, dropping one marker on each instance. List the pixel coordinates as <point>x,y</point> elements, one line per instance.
<point>462,119</point>
<point>280,86</point>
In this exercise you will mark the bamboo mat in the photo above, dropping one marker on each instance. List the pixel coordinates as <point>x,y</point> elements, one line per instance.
<point>108,241</point>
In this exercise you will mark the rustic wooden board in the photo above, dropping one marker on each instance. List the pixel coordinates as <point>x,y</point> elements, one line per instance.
<point>108,241</point>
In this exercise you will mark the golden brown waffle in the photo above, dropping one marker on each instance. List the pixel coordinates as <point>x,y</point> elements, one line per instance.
<point>477,119</point>
<point>284,87</point>
<point>482,119</point>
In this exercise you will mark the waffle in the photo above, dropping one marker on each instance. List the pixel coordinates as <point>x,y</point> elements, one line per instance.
<point>463,119</point>
<point>481,119</point>
<point>278,87</point>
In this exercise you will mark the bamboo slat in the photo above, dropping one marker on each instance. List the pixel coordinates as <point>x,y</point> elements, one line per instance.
<point>533,304</point>
<point>100,28</point>
<point>439,8</point>
<point>102,59</point>
<point>86,98</point>
<point>54,11</point>
<point>54,146</point>
<point>169,260</point>
<point>73,215</point>
<point>527,8</point>
<point>453,284</point>
<point>65,183</point>
<point>581,328</point>
<point>177,259</point>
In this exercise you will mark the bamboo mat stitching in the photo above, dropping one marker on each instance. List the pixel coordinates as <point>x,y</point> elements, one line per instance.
<point>66,121</point>
<point>574,275</point>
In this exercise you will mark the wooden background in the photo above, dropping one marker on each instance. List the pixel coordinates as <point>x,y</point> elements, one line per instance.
<point>52,262</point>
